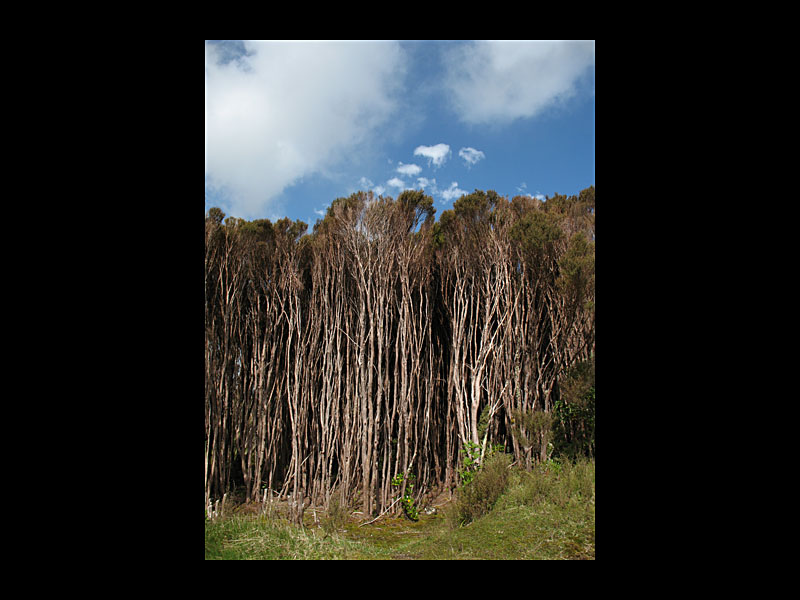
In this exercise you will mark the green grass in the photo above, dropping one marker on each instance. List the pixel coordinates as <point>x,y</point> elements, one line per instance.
<point>249,537</point>
<point>538,516</point>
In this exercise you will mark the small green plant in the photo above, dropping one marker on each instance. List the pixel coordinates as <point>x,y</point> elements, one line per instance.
<point>407,501</point>
<point>472,454</point>
<point>551,465</point>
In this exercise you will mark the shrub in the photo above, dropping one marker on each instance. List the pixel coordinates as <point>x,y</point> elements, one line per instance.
<point>472,454</point>
<point>407,501</point>
<point>478,497</point>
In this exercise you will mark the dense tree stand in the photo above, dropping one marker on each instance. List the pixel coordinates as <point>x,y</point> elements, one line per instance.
<point>386,343</point>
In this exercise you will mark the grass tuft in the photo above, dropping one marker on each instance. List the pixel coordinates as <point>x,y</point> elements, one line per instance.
<point>478,497</point>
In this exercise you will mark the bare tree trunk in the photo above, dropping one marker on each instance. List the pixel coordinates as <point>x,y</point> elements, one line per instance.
<point>398,355</point>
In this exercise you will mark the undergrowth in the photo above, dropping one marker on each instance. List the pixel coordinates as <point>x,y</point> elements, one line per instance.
<point>248,537</point>
<point>504,513</point>
<point>478,496</point>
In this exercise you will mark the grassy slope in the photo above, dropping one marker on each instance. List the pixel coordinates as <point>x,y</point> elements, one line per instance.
<point>548,516</point>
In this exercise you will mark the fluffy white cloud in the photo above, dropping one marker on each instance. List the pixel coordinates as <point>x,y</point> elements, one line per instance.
<point>397,183</point>
<point>470,155</point>
<point>286,110</point>
<point>437,154</point>
<point>497,82</point>
<point>409,169</point>
<point>453,193</point>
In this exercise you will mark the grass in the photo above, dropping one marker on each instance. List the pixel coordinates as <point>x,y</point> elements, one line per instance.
<point>249,537</point>
<point>547,514</point>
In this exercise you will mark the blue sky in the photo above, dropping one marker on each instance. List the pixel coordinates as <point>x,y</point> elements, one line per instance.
<point>291,126</point>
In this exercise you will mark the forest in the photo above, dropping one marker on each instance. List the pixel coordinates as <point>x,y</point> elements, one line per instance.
<point>386,347</point>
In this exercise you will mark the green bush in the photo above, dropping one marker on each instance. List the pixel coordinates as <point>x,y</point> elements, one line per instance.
<point>479,496</point>
<point>472,455</point>
<point>407,501</point>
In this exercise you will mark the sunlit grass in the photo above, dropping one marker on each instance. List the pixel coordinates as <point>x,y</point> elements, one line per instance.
<point>249,537</point>
<point>547,514</point>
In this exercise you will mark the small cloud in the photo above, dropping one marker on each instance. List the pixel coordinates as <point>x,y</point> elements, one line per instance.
<point>470,155</point>
<point>324,210</point>
<point>396,182</point>
<point>428,186</point>
<point>367,185</point>
<point>409,169</point>
<point>522,189</point>
<point>436,154</point>
<point>452,192</point>
<point>424,182</point>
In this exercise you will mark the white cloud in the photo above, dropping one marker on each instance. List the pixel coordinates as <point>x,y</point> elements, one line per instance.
<point>428,185</point>
<point>367,185</point>
<point>470,155</point>
<point>437,154</point>
<point>397,183</point>
<point>522,189</point>
<point>287,110</point>
<point>453,193</point>
<point>409,169</point>
<point>497,82</point>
